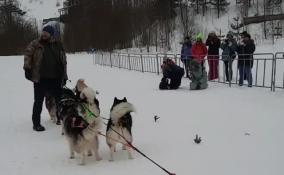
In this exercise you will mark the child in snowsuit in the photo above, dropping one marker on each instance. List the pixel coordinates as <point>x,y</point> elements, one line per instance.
<point>198,72</point>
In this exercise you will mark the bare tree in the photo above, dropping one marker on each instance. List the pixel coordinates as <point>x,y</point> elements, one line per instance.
<point>15,31</point>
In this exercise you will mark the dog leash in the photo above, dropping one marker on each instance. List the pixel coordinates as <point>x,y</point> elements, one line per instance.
<point>128,143</point>
<point>90,114</point>
<point>140,152</point>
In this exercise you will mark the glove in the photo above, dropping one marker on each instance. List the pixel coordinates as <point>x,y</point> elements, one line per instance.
<point>28,74</point>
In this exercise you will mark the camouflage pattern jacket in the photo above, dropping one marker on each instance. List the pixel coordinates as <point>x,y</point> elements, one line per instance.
<point>33,58</point>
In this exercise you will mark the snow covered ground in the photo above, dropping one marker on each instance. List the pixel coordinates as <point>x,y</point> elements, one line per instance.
<point>241,128</point>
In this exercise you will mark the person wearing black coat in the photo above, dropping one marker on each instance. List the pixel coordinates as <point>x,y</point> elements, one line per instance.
<point>245,50</point>
<point>229,47</point>
<point>213,43</point>
<point>172,75</point>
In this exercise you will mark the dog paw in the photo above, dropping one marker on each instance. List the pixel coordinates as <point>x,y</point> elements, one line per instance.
<point>111,160</point>
<point>58,123</point>
<point>72,157</point>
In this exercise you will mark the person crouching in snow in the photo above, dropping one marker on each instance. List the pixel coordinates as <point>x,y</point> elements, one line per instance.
<point>172,75</point>
<point>198,72</point>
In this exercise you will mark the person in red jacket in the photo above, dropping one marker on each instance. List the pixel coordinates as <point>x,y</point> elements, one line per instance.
<point>199,49</point>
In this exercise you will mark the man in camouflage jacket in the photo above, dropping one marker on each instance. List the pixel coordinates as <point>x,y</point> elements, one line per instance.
<point>46,66</point>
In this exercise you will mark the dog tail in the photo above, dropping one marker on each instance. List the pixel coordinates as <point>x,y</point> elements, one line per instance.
<point>120,110</point>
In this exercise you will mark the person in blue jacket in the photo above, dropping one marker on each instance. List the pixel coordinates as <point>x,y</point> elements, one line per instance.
<point>186,55</point>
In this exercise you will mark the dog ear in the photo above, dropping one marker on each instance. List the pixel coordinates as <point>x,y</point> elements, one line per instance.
<point>124,99</point>
<point>115,99</point>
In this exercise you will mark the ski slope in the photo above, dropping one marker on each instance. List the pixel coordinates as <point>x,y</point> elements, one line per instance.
<point>241,128</point>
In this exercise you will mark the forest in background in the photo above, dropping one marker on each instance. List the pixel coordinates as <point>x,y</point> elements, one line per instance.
<point>118,24</point>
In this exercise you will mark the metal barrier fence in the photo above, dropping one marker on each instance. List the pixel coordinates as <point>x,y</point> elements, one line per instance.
<point>278,74</point>
<point>267,71</point>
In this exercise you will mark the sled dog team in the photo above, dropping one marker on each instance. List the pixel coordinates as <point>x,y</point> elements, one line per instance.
<point>80,112</point>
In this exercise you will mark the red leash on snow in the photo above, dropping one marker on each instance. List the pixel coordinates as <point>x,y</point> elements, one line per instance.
<point>140,152</point>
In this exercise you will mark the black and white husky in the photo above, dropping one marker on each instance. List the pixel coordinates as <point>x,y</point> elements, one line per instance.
<point>82,131</point>
<point>120,124</point>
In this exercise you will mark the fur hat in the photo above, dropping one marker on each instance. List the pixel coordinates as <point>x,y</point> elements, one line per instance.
<point>48,29</point>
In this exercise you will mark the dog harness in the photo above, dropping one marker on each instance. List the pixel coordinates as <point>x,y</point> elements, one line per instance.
<point>89,113</point>
<point>81,125</point>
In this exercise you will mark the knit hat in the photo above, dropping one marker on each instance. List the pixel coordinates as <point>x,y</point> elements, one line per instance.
<point>199,36</point>
<point>49,29</point>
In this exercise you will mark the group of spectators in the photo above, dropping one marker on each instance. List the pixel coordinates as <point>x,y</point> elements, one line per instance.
<point>193,58</point>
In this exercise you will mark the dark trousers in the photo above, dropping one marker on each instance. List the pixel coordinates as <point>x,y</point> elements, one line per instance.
<point>186,63</point>
<point>245,72</point>
<point>44,86</point>
<point>213,62</point>
<point>228,70</point>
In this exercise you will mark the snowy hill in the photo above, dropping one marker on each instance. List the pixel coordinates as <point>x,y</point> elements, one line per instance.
<point>241,128</point>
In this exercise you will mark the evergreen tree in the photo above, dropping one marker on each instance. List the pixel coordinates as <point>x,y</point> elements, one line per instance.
<point>15,30</point>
